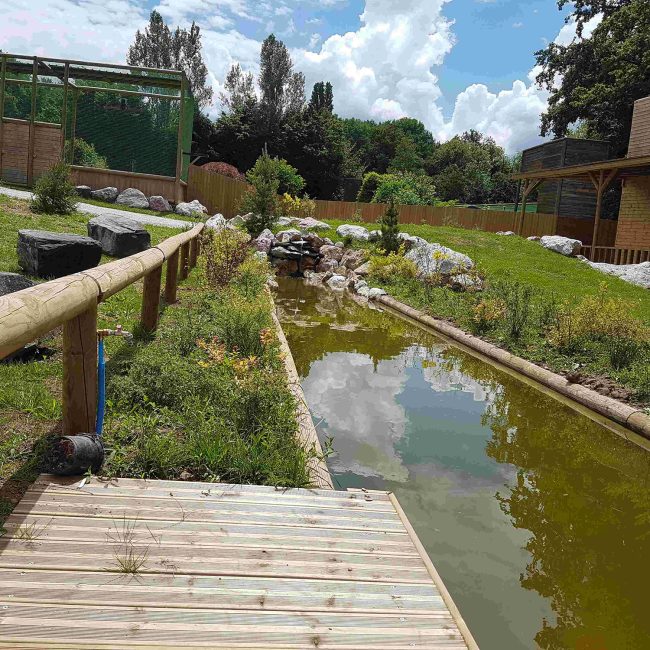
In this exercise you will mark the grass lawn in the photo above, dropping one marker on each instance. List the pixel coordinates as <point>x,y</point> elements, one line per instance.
<point>168,414</point>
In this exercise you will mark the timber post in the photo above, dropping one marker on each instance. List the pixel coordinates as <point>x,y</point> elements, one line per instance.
<point>151,300</point>
<point>185,253</point>
<point>32,126</point>
<point>171,278</point>
<point>80,373</point>
<point>194,251</point>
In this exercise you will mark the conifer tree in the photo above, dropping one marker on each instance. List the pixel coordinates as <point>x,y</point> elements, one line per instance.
<point>390,228</point>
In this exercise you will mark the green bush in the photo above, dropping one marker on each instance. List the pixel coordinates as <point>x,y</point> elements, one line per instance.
<point>405,189</point>
<point>368,187</point>
<point>391,267</point>
<point>291,182</point>
<point>84,154</point>
<point>54,193</point>
<point>224,251</point>
<point>262,199</point>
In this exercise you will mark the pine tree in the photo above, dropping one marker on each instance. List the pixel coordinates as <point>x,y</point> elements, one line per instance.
<point>390,228</point>
<point>262,199</point>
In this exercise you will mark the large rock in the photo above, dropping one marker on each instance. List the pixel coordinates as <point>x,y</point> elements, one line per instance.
<point>312,224</point>
<point>314,241</point>
<point>563,245</point>
<point>286,221</point>
<point>119,236</point>
<point>375,292</point>
<point>338,282</point>
<point>410,241</point>
<point>332,252</point>
<point>53,255</point>
<point>190,209</point>
<point>356,233</point>
<point>285,267</point>
<point>352,258</point>
<point>106,194</point>
<point>10,282</point>
<point>84,191</point>
<point>326,264</point>
<point>434,258</point>
<point>363,270</point>
<point>264,241</point>
<point>133,198</point>
<point>216,222</point>
<point>638,274</point>
<point>159,204</point>
<point>287,235</point>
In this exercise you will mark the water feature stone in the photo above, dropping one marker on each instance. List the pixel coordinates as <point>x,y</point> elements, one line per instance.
<point>106,194</point>
<point>283,253</point>
<point>286,235</point>
<point>119,236</point>
<point>10,282</point>
<point>332,252</point>
<point>314,241</point>
<point>285,267</point>
<point>337,282</point>
<point>159,203</point>
<point>84,191</point>
<point>52,255</point>
<point>356,233</point>
<point>326,264</point>
<point>193,208</point>
<point>353,258</point>
<point>433,258</point>
<point>133,198</point>
<point>562,245</point>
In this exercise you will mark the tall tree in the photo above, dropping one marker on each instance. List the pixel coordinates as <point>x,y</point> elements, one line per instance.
<point>322,97</point>
<point>596,79</point>
<point>159,47</point>
<point>239,89</point>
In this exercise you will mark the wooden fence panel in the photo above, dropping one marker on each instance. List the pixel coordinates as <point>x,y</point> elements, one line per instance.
<point>216,192</point>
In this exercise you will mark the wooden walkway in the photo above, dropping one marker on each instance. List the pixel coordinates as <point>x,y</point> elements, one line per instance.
<point>217,566</point>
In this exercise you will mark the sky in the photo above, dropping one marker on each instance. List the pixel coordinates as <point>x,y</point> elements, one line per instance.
<point>454,64</point>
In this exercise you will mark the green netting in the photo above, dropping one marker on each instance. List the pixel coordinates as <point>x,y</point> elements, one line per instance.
<point>186,134</point>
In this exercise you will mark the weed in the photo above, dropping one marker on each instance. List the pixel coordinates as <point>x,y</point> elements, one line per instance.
<point>31,532</point>
<point>517,299</point>
<point>127,556</point>
<point>224,252</point>
<point>621,351</point>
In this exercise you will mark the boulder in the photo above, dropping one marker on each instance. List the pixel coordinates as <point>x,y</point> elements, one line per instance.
<point>638,274</point>
<point>326,265</point>
<point>374,235</point>
<point>363,290</point>
<point>217,222</point>
<point>286,221</point>
<point>375,292</point>
<point>410,241</point>
<point>236,221</point>
<point>264,241</point>
<point>505,233</point>
<point>338,282</point>
<point>191,209</point>
<point>563,245</point>
<point>159,204</point>
<point>434,258</point>
<point>84,191</point>
<point>285,235</point>
<point>133,198</point>
<point>533,238</point>
<point>307,263</point>
<point>351,259</point>
<point>284,253</point>
<point>10,282</point>
<point>312,224</point>
<point>53,255</point>
<point>314,241</point>
<point>106,194</point>
<point>356,233</point>
<point>332,252</point>
<point>364,269</point>
<point>119,236</point>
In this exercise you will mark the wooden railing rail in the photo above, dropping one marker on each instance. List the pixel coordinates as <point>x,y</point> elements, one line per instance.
<point>615,255</point>
<point>72,301</point>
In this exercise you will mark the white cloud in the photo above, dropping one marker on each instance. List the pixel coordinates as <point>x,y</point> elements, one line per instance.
<point>517,25</point>
<point>314,39</point>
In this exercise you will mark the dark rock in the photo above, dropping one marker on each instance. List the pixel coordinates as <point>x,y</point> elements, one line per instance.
<point>10,282</point>
<point>106,194</point>
<point>314,241</point>
<point>53,255</point>
<point>283,253</point>
<point>285,267</point>
<point>84,191</point>
<point>119,236</point>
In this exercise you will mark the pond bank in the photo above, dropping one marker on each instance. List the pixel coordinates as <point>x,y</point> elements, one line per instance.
<point>526,508</point>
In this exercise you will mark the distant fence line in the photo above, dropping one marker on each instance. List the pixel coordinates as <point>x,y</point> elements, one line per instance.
<point>222,194</point>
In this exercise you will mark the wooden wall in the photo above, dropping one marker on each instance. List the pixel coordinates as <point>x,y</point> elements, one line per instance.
<point>15,139</point>
<point>47,147</point>
<point>149,184</point>
<point>634,213</point>
<point>640,132</point>
<point>216,192</point>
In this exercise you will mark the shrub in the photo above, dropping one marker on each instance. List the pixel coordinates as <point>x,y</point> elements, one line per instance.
<point>54,193</point>
<point>392,266</point>
<point>291,182</point>
<point>224,251</point>
<point>389,224</point>
<point>406,189</point>
<point>84,154</point>
<point>293,206</point>
<point>486,314</point>
<point>251,276</point>
<point>224,169</point>
<point>368,187</point>
<point>517,299</point>
<point>262,199</point>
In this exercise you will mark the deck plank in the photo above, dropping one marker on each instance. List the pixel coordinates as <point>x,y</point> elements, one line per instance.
<point>224,567</point>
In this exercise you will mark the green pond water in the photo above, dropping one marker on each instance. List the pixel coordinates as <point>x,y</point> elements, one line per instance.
<point>537,518</point>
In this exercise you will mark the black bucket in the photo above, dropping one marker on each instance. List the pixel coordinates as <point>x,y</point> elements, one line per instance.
<point>75,455</point>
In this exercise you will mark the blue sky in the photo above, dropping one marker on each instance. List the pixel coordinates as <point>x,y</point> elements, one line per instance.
<point>454,64</point>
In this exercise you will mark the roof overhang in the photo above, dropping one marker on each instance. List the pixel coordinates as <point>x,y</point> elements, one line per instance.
<point>638,166</point>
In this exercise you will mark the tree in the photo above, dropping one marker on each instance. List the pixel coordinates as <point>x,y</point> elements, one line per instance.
<point>390,228</point>
<point>159,47</point>
<point>262,199</point>
<point>239,89</point>
<point>596,80</point>
<point>322,97</point>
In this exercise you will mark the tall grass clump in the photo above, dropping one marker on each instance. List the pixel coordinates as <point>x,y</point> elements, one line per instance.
<point>54,192</point>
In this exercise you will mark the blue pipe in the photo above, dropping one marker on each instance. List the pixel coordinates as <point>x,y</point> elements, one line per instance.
<point>101,380</point>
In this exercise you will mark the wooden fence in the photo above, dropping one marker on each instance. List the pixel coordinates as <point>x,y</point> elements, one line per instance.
<point>222,194</point>
<point>72,301</point>
<point>614,255</point>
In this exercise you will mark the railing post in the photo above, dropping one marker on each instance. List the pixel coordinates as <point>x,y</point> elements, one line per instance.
<point>185,253</point>
<point>151,299</point>
<point>194,251</point>
<point>80,373</point>
<point>171,278</point>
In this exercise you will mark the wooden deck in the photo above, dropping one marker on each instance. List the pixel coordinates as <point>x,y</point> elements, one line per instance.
<point>220,566</point>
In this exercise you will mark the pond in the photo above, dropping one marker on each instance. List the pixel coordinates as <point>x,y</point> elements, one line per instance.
<point>536,517</point>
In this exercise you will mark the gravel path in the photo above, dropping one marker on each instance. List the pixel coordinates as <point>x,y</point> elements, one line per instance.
<point>88,208</point>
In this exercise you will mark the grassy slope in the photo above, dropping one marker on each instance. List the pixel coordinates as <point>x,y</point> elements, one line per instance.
<point>502,257</point>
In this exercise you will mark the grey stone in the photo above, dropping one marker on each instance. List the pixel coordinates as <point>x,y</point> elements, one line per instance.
<point>353,258</point>
<point>356,233</point>
<point>375,292</point>
<point>326,265</point>
<point>364,269</point>
<point>563,245</point>
<point>133,198</point>
<point>410,241</point>
<point>337,282</point>
<point>312,224</point>
<point>331,252</point>
<point>264,241</point>
<point>434,258</point>
<point>286,235</point>
<point>84,191</point>
<point>217,222</point>
<point>533,238</point>
<point>53,255</point>
<point>159,203</point>
<point>638,274</point>
<point>119,236</point>
<point>282,253</point>
<point>10,282</point>
<point>339,244</point>
<point>191,208</point>
<point>363,290</point>
<point>106,194</point>
<point>505,233</point>
<point>465,282</point>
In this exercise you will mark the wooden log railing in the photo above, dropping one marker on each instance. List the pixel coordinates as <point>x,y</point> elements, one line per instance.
<point>72,301</point>
<point>614,255</point>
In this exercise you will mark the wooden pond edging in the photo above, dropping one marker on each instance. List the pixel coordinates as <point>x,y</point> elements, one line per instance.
<point>219,566</point>
<point>631,417</point>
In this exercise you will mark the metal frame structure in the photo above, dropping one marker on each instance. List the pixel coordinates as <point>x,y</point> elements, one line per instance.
<point>69,71</point>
